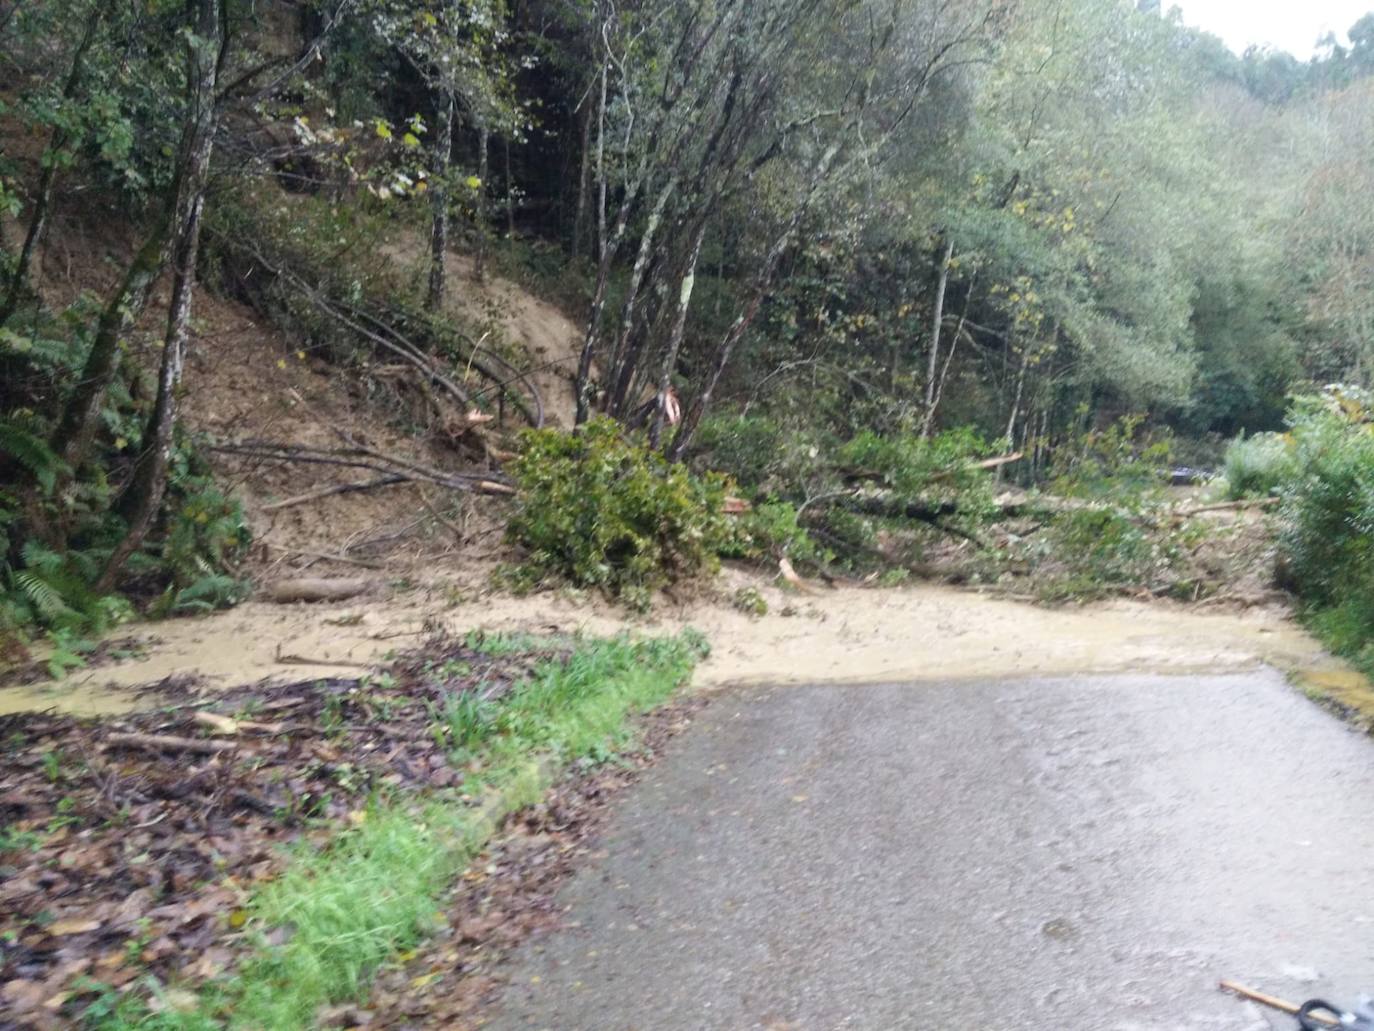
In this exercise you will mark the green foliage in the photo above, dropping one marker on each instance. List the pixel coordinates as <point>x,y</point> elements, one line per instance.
<point>1100,550</point>
<point>1123,461</point>
<point>1328,501</point>
<point>915,466</point>
<point>32,452</point>
<point>750,601</point>
<point>1323,470</point>
<point>772,530</point>
<point>766,457</point>
<point>600,509</point>
<point>1257,466</point>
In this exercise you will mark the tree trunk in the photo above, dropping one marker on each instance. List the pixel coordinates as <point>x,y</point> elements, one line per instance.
<point>763,281</point>
<point>72,438</point>
<point>949,359</point>
<point>603,279</point>
<point>933,359</point>
<point>684,301</point>
<point>632,288</point>
<point>439,201</point>
<point>510,195</point>
<point>601,242</point>
<point>1016,403</point>
<point>583,184</point>
<point>144,496</point>
<point>19,277</point>
<point>479,267</point>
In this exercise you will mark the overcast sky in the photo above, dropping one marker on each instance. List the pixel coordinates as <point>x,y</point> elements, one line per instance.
<point>1292,25</point>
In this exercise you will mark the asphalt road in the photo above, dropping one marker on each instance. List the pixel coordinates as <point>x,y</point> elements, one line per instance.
<point>1058,854</point>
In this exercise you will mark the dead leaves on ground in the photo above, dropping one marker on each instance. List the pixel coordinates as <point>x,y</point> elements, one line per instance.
<point>131,847</point>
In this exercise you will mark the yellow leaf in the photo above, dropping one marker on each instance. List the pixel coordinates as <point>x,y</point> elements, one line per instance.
<point>63,927</point>
<point>120,443</point>
<point>473,182</point>
<point>358,817</point>
<point>300,355</point>
<point>410,140</point>
<point>383,130</point>
<point>238,918</point>
<point>281,363</point>
<point>425,980</point>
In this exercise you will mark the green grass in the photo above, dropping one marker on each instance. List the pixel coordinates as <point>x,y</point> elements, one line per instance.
<point>375,890</point>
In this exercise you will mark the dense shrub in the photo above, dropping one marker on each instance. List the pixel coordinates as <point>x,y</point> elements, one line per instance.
<point>1256,466</point>
<point>1328,517</point>
<point>600,509</point>
<point>1095,551</point>
<point>772,529</point>
<point>1124,461</point>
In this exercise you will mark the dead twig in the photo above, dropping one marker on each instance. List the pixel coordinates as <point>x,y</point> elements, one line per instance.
<point>338,488</point>
<point>169,743</point>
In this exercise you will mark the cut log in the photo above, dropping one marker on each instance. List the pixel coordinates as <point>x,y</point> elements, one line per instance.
<point>1228,506</point>
<point>316,589</point>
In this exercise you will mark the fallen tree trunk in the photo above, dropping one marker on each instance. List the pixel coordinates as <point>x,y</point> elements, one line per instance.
<point>359,457</point>
<point>316,589</point>
<point>1228,506</point>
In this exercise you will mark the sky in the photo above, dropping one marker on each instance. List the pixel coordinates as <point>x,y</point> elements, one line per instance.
<point>1292,25</point>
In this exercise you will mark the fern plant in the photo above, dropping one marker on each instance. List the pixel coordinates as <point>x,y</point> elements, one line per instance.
<point>32,452</point>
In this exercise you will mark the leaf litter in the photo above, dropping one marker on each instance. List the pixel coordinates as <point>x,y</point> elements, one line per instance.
<point>129,847</point>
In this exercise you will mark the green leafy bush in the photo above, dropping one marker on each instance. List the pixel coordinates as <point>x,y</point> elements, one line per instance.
<point>1123,461</point>
<point>600,509</point>
<point>772,530</point>
<point>1256,466</point>
<point>1327,488</point>
<point>1097,550</point>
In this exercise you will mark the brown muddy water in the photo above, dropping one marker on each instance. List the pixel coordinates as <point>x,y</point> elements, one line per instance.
<point>846,635</point>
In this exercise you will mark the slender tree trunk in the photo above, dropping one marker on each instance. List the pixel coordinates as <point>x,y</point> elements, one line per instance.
<point>603,279</point>
<point>439,201</point>
<point>933,359</point>
<point>763,281</point>
<point>583,184</point>
<point>632,288</point>
<point>19,277</point>
<point>510,195</point>
<point>479,267</point>
<point>949,360</point>
<point>143,498</point>
<point>1016,403</point>
<point>684,301</point>
<point>601,242</point>
<point>72,439</point>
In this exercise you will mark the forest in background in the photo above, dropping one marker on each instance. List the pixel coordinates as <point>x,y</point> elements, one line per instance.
<point>813,243</point>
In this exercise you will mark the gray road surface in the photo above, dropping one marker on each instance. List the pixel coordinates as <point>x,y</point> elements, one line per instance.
<point>1040,854</point>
